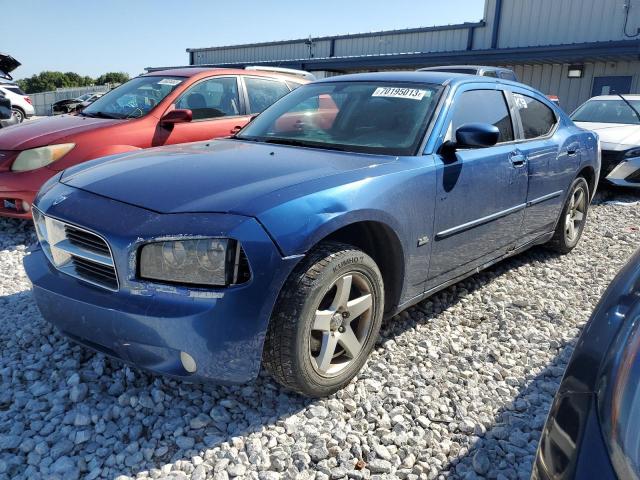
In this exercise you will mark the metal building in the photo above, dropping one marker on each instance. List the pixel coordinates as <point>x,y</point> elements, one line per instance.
<point>570,48</point>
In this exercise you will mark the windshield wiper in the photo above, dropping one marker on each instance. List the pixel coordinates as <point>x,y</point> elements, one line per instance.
<point>630,106</point>
<point>101,115</point>
<point>300,143</point>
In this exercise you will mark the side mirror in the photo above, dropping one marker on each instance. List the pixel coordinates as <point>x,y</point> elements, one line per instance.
<point>178,115</point>
<point>477,135</point>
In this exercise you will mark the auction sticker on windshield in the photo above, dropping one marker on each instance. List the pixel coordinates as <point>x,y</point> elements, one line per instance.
<point>169,81</point>
<point>395,92</point>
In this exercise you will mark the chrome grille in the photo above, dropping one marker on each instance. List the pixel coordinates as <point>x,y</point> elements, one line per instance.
<point>84,239</point>
<point>76,251</point>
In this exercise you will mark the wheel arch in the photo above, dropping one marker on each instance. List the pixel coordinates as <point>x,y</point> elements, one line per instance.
<point>382,243</point>
<point>589,174</point>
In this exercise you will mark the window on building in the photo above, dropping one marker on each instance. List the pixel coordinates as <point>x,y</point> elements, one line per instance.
<point>482,106</point>
<point>212,98</point>
<point>537,119</point>
<point>263,92</point>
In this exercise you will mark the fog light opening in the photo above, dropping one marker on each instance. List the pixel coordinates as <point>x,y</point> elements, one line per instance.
<point>26,206</point>
<point>188,362</point>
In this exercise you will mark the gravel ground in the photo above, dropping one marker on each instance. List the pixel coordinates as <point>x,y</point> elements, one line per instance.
<point>458,386</point>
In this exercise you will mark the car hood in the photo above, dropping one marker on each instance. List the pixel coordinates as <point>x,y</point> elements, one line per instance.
<point>49,130</point>
<point>614,136</point>
<point>7,64</point>
<point>226,176</point>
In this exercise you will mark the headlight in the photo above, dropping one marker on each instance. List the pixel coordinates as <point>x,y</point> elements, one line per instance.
<point>203,261</point>
<point>634,152</point>
<point>40,157</point>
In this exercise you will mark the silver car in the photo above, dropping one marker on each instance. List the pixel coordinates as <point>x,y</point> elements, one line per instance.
<point>616,120</point>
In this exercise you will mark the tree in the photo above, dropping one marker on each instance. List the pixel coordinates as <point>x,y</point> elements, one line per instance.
<point>48,81</point>
<point>112,77</point>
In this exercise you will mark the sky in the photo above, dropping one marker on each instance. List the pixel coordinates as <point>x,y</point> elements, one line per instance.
<point>91,37</point>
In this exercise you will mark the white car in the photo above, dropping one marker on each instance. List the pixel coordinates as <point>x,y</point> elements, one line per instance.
<point>20,101</point>
<point>616,120</point>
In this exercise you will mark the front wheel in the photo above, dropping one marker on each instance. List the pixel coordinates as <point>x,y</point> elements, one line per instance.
<point>326,320</point>
<point>572,219</point>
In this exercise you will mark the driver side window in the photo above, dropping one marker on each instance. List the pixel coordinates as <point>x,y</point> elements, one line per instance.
<point>212,98</point>
<point>482,106</point>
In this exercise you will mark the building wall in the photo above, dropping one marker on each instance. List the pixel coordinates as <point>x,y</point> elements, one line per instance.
<point>552,79</point>
<point>411,41</point>
<point>527,23</point>
<point>523,23</point>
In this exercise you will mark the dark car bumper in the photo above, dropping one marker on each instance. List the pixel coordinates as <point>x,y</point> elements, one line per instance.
<point>150,325</point>
<point>572,445</point>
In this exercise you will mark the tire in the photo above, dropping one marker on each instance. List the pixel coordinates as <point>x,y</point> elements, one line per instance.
<point>312,317</point>
<point>19,114</point>
<point>575,210</point>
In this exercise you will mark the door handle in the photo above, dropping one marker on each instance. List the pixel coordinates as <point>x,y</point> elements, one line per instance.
<point>518,160</point>
<point>235,129</point>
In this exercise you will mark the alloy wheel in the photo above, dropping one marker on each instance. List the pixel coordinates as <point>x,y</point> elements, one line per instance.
<point>575,214</point>
<point>18,114</point>
<point>342,323</point>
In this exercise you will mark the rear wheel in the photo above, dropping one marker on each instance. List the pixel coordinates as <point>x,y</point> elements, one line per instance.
<point>572,219</point>
<point>19,114</point>
<point>326,321</point>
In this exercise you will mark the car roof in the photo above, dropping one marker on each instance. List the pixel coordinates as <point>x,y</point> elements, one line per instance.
<point>191,72</point>
<point>468,67</point>
<point>433,77</point>
<point>616,97</point>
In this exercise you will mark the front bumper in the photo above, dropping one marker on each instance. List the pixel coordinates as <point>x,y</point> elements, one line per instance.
<point>149,325</point>
<point>19,187</point>
<point>626,173</point>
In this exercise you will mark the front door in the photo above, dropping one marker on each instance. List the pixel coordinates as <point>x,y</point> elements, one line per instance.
<point>217,112</point>
<point>481,193</point>
<point>611,85</point>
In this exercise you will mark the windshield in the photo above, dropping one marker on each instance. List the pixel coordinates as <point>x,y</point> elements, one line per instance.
<point>84,97</point>
<point>607,111</point>
<point>133,99</point>
<point>373,117</point>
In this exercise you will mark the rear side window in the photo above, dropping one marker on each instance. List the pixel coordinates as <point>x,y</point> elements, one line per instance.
<point>263,92</point>
<point>537,119</point>
<point>482,106</point>
<point>508,76</point>
<point>15,89</point>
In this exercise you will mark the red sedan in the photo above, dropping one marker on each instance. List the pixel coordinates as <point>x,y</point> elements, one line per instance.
<point>159,108</point>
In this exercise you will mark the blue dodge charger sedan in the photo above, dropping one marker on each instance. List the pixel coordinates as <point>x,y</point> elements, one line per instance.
<point>284,247</point>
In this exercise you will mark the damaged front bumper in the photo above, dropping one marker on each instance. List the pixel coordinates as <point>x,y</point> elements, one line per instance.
<point>151,325</point>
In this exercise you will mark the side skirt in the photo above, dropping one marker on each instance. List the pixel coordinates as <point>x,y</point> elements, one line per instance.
<point>417,299</point>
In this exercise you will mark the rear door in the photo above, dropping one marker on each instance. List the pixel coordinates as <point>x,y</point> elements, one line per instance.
<point>481,192</point>
<point>217,107</point>
<point>551,160</point>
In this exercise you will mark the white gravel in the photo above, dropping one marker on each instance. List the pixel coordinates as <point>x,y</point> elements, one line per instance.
<point>459,386</point>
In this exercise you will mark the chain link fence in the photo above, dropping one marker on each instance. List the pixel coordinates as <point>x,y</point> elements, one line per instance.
<point>43,101</point>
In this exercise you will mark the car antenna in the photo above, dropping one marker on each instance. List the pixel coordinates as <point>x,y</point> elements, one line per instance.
<point>630,106</point>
